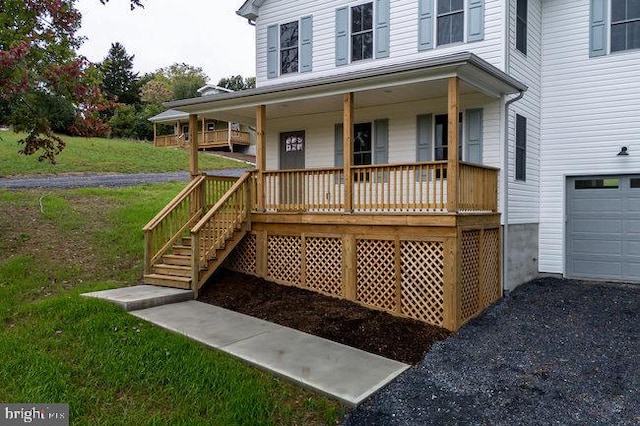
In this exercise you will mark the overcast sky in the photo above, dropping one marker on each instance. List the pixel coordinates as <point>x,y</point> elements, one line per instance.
<point>203,33</point>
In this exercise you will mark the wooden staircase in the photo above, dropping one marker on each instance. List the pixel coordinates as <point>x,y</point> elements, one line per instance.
<point>186,242</point>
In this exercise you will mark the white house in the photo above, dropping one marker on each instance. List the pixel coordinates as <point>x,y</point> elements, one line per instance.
<point>359,154</point>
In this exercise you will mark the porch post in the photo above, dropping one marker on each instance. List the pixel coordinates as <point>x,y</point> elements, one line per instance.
<point>193,140</point>
<point>261,117</point>
<point>155,134</point>
<point>347,141</point>
<point>452,160</point>
<point>204,130</point>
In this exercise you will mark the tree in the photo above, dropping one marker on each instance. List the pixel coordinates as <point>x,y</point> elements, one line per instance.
<point>237,82</point>
<point>185,80</point>
<point>156,90</point>
<point>39,69</point>
<point>120,82</point>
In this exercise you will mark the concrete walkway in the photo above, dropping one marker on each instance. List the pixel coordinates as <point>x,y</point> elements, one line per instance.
<point>347,374</point>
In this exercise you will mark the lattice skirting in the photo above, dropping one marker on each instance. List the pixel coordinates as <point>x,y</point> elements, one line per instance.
<point>480,281</point>
<point>244,257</point>
<point>401,276</point>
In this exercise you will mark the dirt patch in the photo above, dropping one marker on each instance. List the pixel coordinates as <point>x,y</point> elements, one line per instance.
<point>402,339</point>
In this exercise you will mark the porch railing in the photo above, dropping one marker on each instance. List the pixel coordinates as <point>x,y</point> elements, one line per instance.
<point>175,220</point>
<point>214,137</point>
<point>410,187</point>
<point>219,223</point>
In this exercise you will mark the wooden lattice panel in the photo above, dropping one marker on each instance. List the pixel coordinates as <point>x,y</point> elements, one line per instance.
<point>324,264</point>
<point>283,259</point>
<point>243,258</point>
<point>376,273</point>
<point>422,284</point>
<point>470,274</point>
<point>490,288</point>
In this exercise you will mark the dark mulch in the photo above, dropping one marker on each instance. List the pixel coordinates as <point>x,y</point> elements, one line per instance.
<point>402,339</point>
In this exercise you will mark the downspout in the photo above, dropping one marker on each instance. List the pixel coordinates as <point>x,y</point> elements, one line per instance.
<point>505,185</point>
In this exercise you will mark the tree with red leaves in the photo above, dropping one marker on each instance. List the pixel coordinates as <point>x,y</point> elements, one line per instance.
<point>39,63</point>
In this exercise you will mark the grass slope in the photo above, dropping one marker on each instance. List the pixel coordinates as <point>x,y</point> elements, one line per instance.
<point>111,367</point>
<point>98,155</point>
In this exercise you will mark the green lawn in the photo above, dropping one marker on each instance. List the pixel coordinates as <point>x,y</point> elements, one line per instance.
<point>112,368</point>
<point>101,155</point>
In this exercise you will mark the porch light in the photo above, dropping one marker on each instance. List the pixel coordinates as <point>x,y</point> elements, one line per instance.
<point>624,151</point>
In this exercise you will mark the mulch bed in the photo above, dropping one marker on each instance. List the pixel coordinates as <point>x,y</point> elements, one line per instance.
<point>402,339</point>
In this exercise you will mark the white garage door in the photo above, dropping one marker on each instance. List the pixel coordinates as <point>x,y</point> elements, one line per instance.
<point>603,227</point>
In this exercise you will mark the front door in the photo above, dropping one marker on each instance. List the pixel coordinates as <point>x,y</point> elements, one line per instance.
<point>292,158</point>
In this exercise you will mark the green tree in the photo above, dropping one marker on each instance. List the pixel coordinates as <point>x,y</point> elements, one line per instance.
<point>237,82</point>
<point>119,82</point>
<point>157,90</point>
<point>185,80</point>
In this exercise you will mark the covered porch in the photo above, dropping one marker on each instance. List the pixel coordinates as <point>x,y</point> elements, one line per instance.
<point>171,130</point>
<point>415,238</point>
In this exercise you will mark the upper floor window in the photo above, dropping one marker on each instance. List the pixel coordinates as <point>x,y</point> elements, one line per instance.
<point>289,48</point>
<point>521,147</point>
<point>443,22</point>
<point>625,24</point>
<point>362,32</point>
<point>450,21</point>
<point>521,26</point>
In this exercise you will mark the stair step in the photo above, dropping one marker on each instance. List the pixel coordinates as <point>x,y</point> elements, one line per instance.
<point>182,250</point>
<point>168,281</point>
<point>173,270</point>
<point>186,241</point>
<point>175,259</point>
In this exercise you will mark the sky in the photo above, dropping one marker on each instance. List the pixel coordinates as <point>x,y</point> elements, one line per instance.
<point>202,33</point>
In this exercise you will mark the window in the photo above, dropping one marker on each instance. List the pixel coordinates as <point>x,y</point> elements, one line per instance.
<point>450,21</point>
<point>211,126</point>
<point>521,26</point>
<point>625,24</point>
<point>597,183</point>
<point>362,144</point>
<point>635,183</point>
<point>289,48</point>
<point>185,132</point>
<point>442,137</point>
<point>362,32</point>
<point>521,147</point>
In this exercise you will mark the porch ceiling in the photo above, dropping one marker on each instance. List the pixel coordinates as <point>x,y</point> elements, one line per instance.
<point>425,79</point>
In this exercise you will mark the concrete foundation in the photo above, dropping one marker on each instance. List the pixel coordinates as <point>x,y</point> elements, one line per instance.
<point>522,255</point>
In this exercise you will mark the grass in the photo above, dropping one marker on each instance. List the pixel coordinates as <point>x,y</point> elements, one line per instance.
<point>98,155</point>
<point>111,367</point>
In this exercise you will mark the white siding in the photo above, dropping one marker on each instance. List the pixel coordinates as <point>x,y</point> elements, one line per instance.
<point>590,109</point>
<point>320,133</point>
<point>524,195</point>
<point>403,36</point>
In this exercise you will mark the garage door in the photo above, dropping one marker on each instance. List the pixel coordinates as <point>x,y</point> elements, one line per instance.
<point>603,227</point>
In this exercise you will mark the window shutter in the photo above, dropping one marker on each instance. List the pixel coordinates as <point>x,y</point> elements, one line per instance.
<point>342,36</point>
<point>474,136</point>
<point>381,141</point>
<point>597,29</point>
<point>382,29</point>
<point>475,20</point>
<point>424,150</point>
<point>339,147</point>
<point>425,24</point>
<point>272,51</point>
<point>306,44</point>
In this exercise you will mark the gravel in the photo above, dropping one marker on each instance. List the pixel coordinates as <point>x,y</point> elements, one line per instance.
<point>552,352</point>
<point>115,180</point>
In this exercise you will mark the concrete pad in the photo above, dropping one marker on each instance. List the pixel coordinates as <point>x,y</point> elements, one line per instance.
<point>142,296</point>
<point>341,372</point>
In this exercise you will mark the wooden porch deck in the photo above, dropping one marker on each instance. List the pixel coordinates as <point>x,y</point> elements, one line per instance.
<point>208,139</point>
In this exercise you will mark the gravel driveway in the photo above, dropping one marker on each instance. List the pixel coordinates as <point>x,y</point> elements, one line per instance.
<point>103,180</point>
<point>552,352</point>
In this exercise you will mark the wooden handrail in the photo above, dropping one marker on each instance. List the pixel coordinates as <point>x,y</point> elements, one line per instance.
<point>173,203</point>
<point>393,165</point>
<point>220,203</point>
